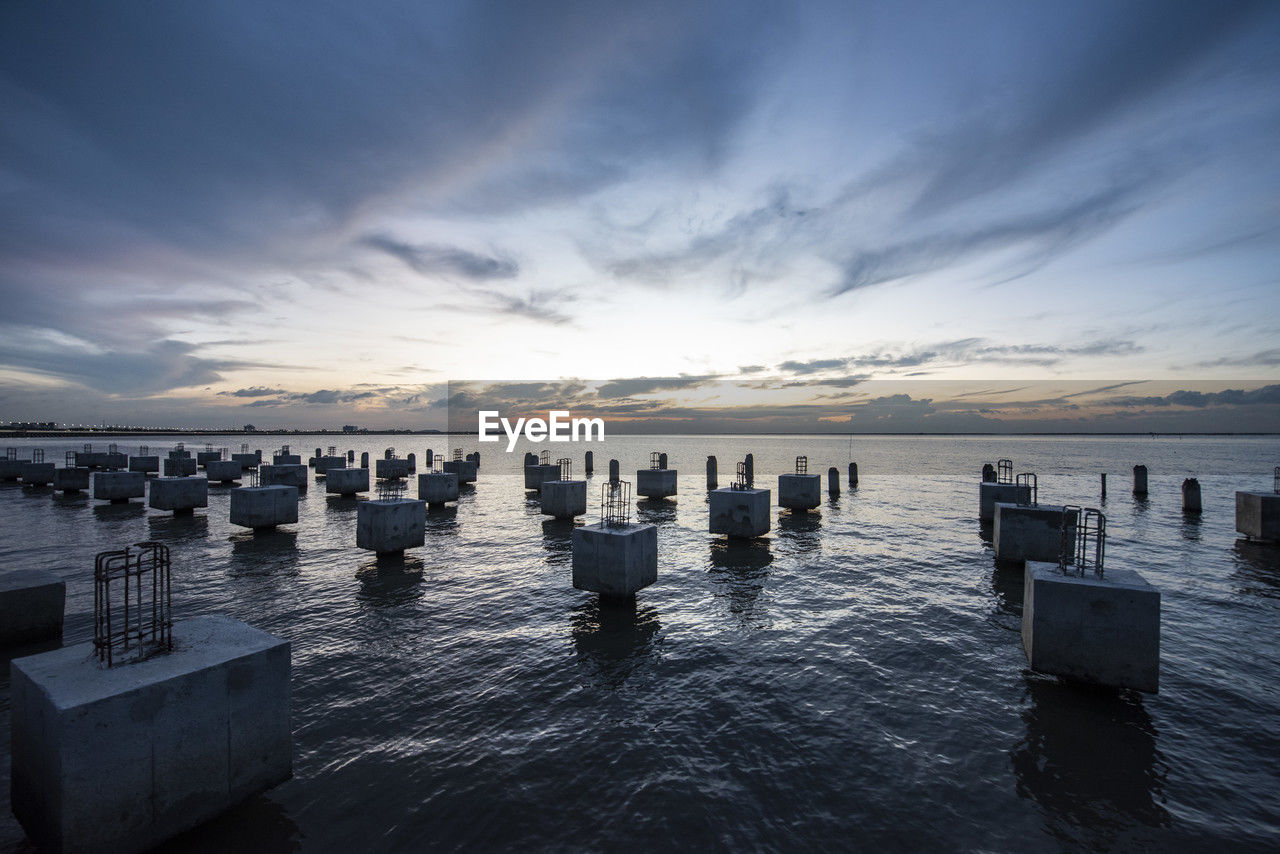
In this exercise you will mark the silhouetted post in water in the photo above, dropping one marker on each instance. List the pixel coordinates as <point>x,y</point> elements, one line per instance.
<point>351,457</point>
<point>430,458</point>
<point>413,463</point>
<point>988,473</point>
<point>833,481</point>
<point>319,453</point>
<point>1191,496</point>
<point>530,458</point>
<point>475,458</point>
<point>662,460</point>
<point>853,475</point>
<point>1104,486</point>
<point>388,453</point>
<point>1140,480</point>
<point>590,464</point>
<point>751,470</point>
<point>614,471</point>
<point>364,459</point>
<point>712,480</point>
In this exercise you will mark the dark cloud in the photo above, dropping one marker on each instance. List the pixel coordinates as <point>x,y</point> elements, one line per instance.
<point>447,260</point>
<point>623,388</point>
<point>254,391</point>
<point>1265,396</point>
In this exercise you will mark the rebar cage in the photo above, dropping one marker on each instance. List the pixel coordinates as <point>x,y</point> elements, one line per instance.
<point>181,446</point>
<point>457,454</point>
<point>136,622</point>
<point>333,450</point>
<point>144,450</point>
<point>11,453</point>
<point>1276,484</point>
<point>544,458</point>
<point>1004,471</point>
<point>802,465</point>
<point>740,480</point>
<point>566,468</point>
<point>437,462</point>
<point>111,449</point>
<point>37,455</point>
<point>1028,479</point>
<point>88,449</point>
<point>71,459</point>
<point>1083,541</point>
<point>255,479</point>
<point>615,502</point>
<point>390,490</point>
<point>284,449</point>
<point>655,460</point>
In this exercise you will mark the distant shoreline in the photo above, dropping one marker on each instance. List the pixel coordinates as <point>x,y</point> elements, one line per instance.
<point>89,434</point>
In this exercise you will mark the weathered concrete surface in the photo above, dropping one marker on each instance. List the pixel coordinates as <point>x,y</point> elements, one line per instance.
<point>286,460</point>
<point>71,479</point>
<point>438,488</point>
<point>536,474</point>
<point>393,469</point>
<point>1023,532</point>
<point>564,499</point>
<point>615,560</point>
<point>203,458</point>
<point>346,481</point>
<point>1100,630</point>
<point>260,507</point>
<point>1258,515</point>
<point>38,474</point>
<point>101,460</point>
<point>32,603</point>
<point>323,464</point>
<point>247,462</point>
<point>656,483</point>
<point>1007,493</point>
<point>120,759</point>
<point>799,491</point>
<point>1139,480</point>
<point>466,470</point>
<point>12,469</point>
<point>179,467</point>
<point>146,465</point>
<point>223,471</point>
<point>180,454</point>
<point>391,526</point>
<point>739,512</point>
<point>119,486</point>
<point>178,494</point>
<point>279,474</point>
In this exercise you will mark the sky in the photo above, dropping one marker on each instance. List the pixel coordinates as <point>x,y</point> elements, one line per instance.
<point>308,215</point>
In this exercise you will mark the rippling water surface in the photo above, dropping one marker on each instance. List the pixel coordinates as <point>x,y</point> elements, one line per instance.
<point>854,680</point>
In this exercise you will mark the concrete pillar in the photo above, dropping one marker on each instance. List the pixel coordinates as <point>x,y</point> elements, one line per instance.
<point>564,499</point>
<point>391,526</point>
<point>38,474</point>
<point>119,486</point>
<point>799,492</point>
<point>223,471</point>
<point>656,483</point>
<point>1104,486</point>
<point>437,488</point>
<point>323,464</point>
<point>283,459</point>
<point>1258,515</point>
<point>853,476</point>
<point>261,507</point>
<point>319,453</point>
<point>615,473</point>
<point>590,464</point>
<point>386,455</point>
<point>466,470</point>
<point>413,463</point>
<point>1023,532</point>
<point>346,481</point>
<point>179,467</point>
<point>247,461</point>
<point>32,603</point>
<point>739,512</point>
<point>258,454</point>
<point>662,460</point>
<point>284,475</point>
<point>751,470</point>
<point>123,758</point>
<point>147,465</point>
<point>833,481</point>
<point>178,494</point>
<point>430,458</point>
<point>71,480</point>
<point>351,457</point>
<point>615,560</point>
<point>530,459</point>
<point>1140,480</point>
<point>364,459</point>
<point>712,480</point>
<point>1007,493</point>
<point>204,457</point>
<point>1191,496</point>
<point>988,473</point>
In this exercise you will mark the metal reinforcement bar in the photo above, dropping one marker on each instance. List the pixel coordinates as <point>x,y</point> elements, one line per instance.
<point>1084,541</point>
<point>615,502</point>
<point>1028,479</point>
<point>1004,471</point>
<point>802,465</point>
<point>566,468</point>
<point>132,603</point>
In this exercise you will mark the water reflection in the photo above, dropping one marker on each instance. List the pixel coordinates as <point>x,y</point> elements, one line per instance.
<point>1190,527</point>
<point>557,539</point>
<point>740,569</point>
<point>655,511</point>
<point>390,580</point>
<point>613,637</point>
<point>1089,759</point>
<point>104,512</point>
<point>268,552</point>
<point>173,529</point>
<point>442,520</point>
<point>986,530</point>
<point>1257,567</point>
<point>801,531</point>
<point>341,504</point>
<point>1007,583</point>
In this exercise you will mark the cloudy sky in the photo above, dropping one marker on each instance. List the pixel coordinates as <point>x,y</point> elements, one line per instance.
<point>315,214</point>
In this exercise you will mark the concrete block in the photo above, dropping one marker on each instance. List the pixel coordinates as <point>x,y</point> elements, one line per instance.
<point>12,469</point>
<point>323,464</point>
<point>32,602</point>
<point>248,462</point>
<point>179,467</point>
<point>391,526</point>
<point>466,470</point>
<point>534,476</point>
<point>100,460</point>
<point>1023,532</point>
<point>393,469</point>
<point>739,512</point>
<point>1007,493</point>
<point>37,474</point>
<point>615,560</point>
<point>179,454</point>
<point>280,474</point>
<point>119,486</point>
<point>203,458</point>
<point>564,499</point>
<point>1258,515</point>
<point>286,459</point>
<point>346,481</point>
<point>179,494</point>
<point>799,491</point>
<point>223,471</point>
<point>656,483</point>
<point>1100,630</point>
<point>260,507</point>
<point>71,479</point>
<point>115,461</point>
<point>438,488</point>
<point>120,759</point>
<point>146,465</point>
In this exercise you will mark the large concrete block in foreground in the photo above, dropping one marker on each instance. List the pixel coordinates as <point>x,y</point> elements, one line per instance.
<point>1258,515</point>
<point>437,488</point>
<point>1023,532</point>
<point>179,494</point>
<point>391,469</point>
<point>391,525</point>
<point>11,469</point>
<point>799,491</point>
<point>615,560</point>
<point>179,467</point>
<point>346,481</point>
<point>71,479</point>
<point>1006,493</point>
<point>261,507</point>
<point>739,512</point>
<point>223,471</point>
<point>32,603</point>
<point>119,486</point>
<point>466,469</point>
<point>323,464</point>
<point>146,465</point>
<point>656,483</point>
<point>120,759</point>
<point>564,499</point>
<point>280,474</point>
<point>38,474</point>
<point>1105,631</point>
